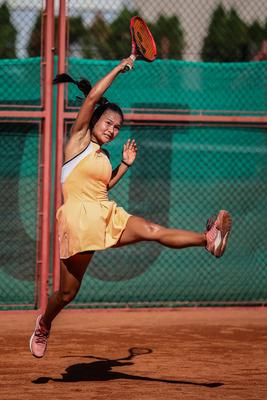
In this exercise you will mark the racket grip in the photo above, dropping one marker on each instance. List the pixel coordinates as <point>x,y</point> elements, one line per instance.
<point>128,66</point>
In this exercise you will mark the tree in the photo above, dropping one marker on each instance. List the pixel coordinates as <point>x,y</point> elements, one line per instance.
<point>227,38</point>
<point>34,44</point>
<point>98,39</point>
<point>120,37</point>
<point>7,33</point>
<point>169,37</point>
<point>77,35</point>
<point>257,36</point>
<point>109,41</point>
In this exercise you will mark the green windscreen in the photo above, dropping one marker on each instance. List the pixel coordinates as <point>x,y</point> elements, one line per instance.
<point>229,88</point>
<point>18,213</point>
<point>181,177</point>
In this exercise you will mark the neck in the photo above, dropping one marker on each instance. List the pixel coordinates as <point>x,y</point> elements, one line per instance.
<point>95,141</point>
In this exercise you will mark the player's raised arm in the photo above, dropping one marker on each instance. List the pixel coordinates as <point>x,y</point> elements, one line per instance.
<point>80,126</point>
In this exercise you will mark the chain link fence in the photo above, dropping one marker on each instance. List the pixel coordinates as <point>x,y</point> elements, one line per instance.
<point>19,144</point>
<point>195,30</point>
<point>182,175</point>
<point>208,30</point>
<point>178,86</point>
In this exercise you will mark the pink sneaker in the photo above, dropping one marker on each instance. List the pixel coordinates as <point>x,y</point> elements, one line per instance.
<point>38,341</point>
<point>217,233</point>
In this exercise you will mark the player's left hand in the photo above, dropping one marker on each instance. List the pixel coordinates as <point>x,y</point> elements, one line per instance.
<point>129,151</point>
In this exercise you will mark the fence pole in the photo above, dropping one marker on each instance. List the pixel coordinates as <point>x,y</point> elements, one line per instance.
<point>48,66</point>
<point>59,135</point>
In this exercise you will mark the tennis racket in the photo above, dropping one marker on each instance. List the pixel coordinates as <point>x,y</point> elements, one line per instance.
<point>143,43</point>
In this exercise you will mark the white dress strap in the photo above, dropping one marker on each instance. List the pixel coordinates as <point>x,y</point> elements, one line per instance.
<point>71,164</point>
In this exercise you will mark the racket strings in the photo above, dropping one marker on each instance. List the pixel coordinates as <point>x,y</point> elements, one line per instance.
<point>144,41</point>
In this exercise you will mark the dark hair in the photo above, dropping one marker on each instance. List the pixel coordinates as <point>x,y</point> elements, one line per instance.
<point>85,86</point>
<point>101,109</point>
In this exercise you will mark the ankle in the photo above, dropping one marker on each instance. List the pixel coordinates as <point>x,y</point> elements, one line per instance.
<point>44,324</point>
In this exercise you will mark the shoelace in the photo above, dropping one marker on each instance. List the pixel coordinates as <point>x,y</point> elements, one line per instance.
<point>210,222</point>
<point>41,336</point>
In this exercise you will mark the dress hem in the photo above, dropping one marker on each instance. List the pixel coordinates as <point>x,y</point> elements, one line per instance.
<point>101,248</point>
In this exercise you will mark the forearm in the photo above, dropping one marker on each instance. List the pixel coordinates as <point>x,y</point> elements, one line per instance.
<point>97,91</point>
<point>117,174</point>
<point>103,84</point>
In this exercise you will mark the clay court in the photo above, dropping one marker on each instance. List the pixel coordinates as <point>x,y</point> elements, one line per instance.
<point>198,353</point>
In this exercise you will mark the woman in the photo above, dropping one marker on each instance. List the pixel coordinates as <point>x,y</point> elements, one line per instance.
<point>88,221</point>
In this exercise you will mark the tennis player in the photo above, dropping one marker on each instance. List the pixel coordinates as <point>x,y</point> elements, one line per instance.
<point>88,221</point>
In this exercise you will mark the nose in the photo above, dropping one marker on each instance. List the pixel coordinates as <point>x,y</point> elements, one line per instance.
<point>111,130</point>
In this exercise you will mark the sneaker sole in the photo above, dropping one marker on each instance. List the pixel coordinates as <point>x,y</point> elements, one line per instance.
<point>32,336</point>
<point>224,224</point>
<point>31,339</point>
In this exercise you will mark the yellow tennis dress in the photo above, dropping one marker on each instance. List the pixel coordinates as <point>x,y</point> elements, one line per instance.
<point>88,220</point>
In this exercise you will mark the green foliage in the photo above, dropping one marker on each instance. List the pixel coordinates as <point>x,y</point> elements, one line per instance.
<point>34,44</point>
<point>77,35</point>
<point>7,33</point>
<point>230,39</point>
<point>169,37</point>
<point>114,41</point>
<point>120,37</point>
<point>97,44</point>
<point>257,34</point>
<point>109,41</point>
<point>227,37</point>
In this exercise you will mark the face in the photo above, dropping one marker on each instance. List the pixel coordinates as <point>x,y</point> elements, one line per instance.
<point>107,127</point>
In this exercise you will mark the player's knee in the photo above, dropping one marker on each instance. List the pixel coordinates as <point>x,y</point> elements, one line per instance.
<point>151,230</point>
<point>66,296</point>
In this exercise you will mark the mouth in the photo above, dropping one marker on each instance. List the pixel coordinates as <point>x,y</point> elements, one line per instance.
<point>106,135</point>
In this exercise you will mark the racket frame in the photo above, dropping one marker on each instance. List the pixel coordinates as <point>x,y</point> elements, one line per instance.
<point>135,51</point>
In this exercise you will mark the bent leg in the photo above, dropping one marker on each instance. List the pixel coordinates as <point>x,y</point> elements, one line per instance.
<point>139,229</point>
<point>71,274</point>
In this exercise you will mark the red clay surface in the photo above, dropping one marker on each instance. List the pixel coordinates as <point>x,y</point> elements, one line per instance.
<point>194,354</point>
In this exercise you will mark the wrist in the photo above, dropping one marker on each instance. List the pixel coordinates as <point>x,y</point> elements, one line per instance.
<point>125,163</point>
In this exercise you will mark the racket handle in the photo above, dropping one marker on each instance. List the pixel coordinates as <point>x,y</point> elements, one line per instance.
<point>128,66</point>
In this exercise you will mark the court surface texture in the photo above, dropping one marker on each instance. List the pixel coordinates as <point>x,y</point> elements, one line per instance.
<point>189,354</point>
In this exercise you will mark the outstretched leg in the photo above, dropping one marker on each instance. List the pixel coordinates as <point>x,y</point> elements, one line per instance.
<point>71,274</point>
<point>214,238</point>
<point>139,229</point>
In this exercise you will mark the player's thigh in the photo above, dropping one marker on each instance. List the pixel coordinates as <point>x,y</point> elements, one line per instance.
<point>139,229</point>
<point>73,268</point>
